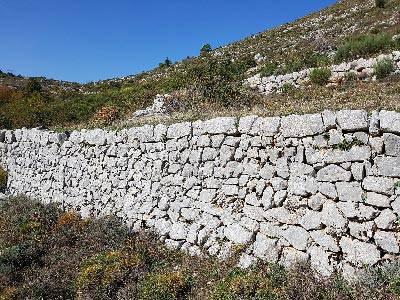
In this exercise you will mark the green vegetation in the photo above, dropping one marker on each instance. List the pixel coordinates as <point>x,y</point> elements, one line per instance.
<point>346,145</point>
<point>363,46</point>
<point>268,70</point>
<point>46,253</point>
<point>381,3</point>
<point>3,180</point>
<point>167,63</point>
<point>205,49</point>
<point>218,81</point>
<point>350,77</point>
<point>287,87</point>
<point>320,76</point>
<point>383,68</point>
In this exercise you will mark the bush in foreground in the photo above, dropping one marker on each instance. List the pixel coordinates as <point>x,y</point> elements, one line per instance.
<point>46,253</point>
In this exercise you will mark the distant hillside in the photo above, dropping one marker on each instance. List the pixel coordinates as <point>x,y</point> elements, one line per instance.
<point>212,83</point>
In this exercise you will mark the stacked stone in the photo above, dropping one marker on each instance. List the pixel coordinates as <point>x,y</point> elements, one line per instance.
<point>362,68</point>
<point>322,187</point>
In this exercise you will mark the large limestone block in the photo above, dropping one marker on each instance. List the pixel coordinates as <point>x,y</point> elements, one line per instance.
<point>336,156</point>
<point>267,127</point>
<point>381,185</point>
<point>237,234</point>
<point>333,173</point>
<point>390,121</point>
<point>359,253</point>
<point>388,241</point>
<point>266,248</point>
<point>96,137</point>
<point>297,236</point>
<point>319,260</point>
<point>291,257</point>
<point>349,191</point>
<point>224,125</point>
<point>176,131</point>
<point>332,217</point>
<point>302,125</point>
<point>388,166</point>
<point>392,144</point>
<point>352,120</point>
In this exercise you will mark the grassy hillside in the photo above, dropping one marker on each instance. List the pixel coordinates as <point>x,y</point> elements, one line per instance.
<point>46,253</point>
<point>213,81</point>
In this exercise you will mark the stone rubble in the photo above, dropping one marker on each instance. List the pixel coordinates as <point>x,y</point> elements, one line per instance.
<point>280,186</point>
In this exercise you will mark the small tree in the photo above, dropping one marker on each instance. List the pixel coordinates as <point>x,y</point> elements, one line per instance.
<point>380,3</point>
<point>205,49</point>
<point>167,63</point>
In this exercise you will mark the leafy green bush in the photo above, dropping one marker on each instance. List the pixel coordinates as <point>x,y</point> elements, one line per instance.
<point>164,286</point>
<point>287,87</point>
<point>268,70</point>
<point>3,180</point>
<point>101,274</point>
<point>253,284</point>
<point>383,68</point>
<point>218,81</point>
<point>380,3</point>
<point>350,76</point>
<point>363,45</point>
<point>320,76</point>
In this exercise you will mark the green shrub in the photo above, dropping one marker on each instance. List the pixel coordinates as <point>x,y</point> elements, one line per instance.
<point>363,45</point>
<point>380,3</point>
<point>253,284</point>
<point>350,77</point>
<point>383,68</point>
<point>33,85</point>
<point>3,180</point>
<point>164,286</point>
<point>101,274</point>
<point>320,76</point>
<point>205,49</point>
<point>346,145</point>
<point>287,87</point>
<point>218,81</point>
<point>395,286</point>
<point>167,63</point>
<point>268,70</point>
<point>295,65</point>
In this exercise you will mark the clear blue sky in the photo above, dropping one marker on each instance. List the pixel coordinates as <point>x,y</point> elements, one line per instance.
<point>87,40</point>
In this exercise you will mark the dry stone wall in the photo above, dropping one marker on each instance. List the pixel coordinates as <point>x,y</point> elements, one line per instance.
<point>363,69</point>
<point>322,187</point>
